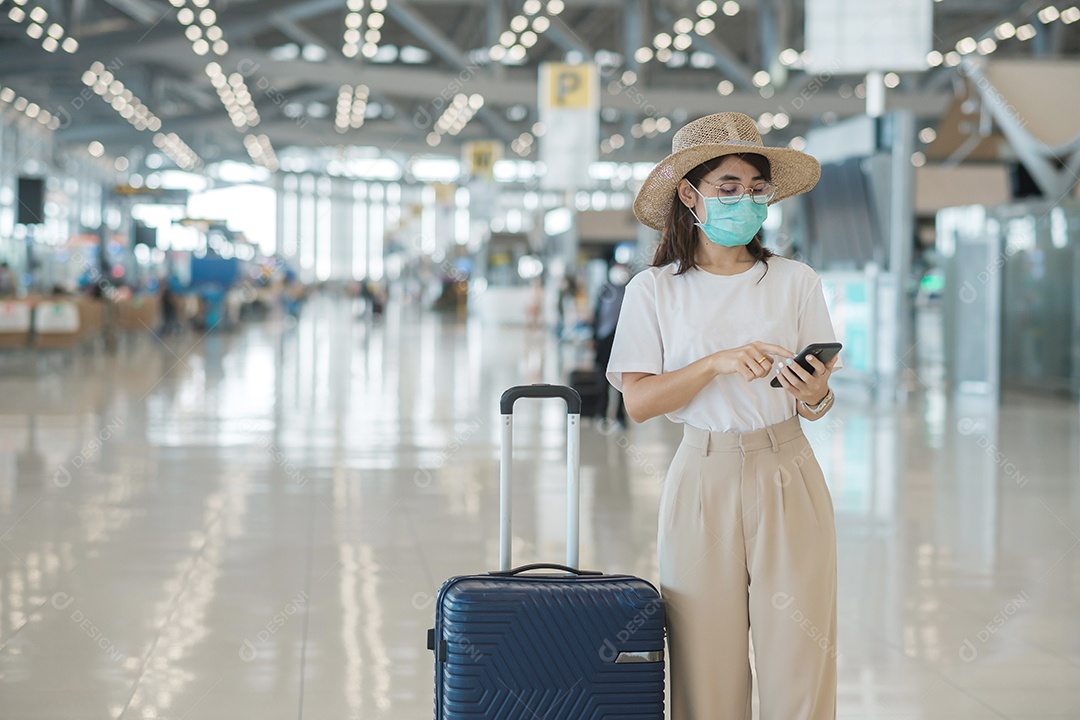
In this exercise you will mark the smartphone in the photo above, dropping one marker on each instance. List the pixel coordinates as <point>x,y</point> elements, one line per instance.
<point>822,351</point>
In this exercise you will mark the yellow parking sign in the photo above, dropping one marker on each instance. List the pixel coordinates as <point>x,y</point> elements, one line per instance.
<point>480,157</point>
<point>569,87</point>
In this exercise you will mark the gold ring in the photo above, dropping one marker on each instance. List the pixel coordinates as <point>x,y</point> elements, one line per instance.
<point>763,357</point>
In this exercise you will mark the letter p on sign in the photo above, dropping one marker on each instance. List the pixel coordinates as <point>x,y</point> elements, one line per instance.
<point>569,86</point>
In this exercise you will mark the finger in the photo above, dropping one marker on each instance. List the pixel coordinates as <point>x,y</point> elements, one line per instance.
<point>757,364</point>
<point>821,370</point>
<point>785,382</point>
<point>765,348</point>
<point>832,362</point>
<point>798,371</point>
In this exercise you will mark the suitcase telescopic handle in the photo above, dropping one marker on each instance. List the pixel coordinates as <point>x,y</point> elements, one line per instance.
<point>573,465</point>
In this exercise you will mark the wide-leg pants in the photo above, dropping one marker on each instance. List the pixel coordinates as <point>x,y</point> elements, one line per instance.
<point>747,541</point>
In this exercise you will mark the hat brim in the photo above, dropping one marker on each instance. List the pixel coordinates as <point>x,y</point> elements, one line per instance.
<point>793,173</point>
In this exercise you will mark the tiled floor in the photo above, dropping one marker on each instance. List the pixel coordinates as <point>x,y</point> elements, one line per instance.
<point>253,525</point>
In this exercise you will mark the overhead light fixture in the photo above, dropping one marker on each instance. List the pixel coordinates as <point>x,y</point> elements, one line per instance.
<point>1025,32</point>
<point>1048,14</point>
<point>177,150</point>
<point>235,96</point>
<point>261,151</point>
<point>523,144</point>
<point>525,30</point>
<point>351,107</point>
<point>122,100</point>
<point>455,117</point>
<point>357,41</point>
<point>51,40</point>
<point>1005,30</point>
<point>31,110</point>
<point>202,29</point>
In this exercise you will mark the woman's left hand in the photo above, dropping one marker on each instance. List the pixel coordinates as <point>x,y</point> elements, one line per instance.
<point>811,389</point>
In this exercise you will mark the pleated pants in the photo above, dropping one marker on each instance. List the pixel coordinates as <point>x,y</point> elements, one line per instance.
<point>747,546</point>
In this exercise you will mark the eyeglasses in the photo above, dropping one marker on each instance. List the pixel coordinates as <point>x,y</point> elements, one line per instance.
<point>730,193</point>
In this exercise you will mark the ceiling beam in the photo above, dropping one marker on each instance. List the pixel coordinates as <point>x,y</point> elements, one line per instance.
<point>434,38</point>
<point>299,34</point>
<point>140,10</point>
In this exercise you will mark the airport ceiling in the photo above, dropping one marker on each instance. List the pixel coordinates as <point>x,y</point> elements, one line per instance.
<point>324,75</point>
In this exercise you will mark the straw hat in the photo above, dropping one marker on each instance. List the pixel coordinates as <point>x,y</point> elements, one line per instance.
<point>710,137</point>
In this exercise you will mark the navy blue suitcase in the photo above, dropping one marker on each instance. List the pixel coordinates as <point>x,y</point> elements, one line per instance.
<point>565,645</point>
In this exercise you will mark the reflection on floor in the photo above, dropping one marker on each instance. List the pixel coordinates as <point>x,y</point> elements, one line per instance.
<point>255,524</point>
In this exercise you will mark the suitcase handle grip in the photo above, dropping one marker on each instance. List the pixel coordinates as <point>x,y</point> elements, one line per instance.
<point>570,395</point>
<point>544,566</point>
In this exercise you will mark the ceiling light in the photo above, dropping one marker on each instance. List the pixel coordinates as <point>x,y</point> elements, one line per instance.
<point>1025,32</point>
<point>762,78</point>
<point>789,56</point>
<point>1070,15</point>
<point>39,15</point>
<point>731,8</point>
<point>682,42</point>
<point>221,47</point>
<point>1047,15</point>
<point>34,30</point>
<point>375,20</point>
<point>193,32</point>
<point>706,9</point>
<point>966,46</point>
<point>554,7</point>
<point>725,87</point>
<point>541,23</point>
<point>934,58</point>
<point>1005,30</point>
<point>704,27</point>
<point>531,7</point>
<point>70,45</point>
<point>17,14</point>
<point>987,46</point>
<point>892,80</point>
<point>208,17</point>
<point>96,149</point>
<point>186,16</point>
<point>643,54</point>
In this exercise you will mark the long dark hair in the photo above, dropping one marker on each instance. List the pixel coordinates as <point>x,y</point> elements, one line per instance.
<point>679,240</point>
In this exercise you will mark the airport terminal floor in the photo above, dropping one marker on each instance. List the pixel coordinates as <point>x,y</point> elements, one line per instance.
<point>255,524</point>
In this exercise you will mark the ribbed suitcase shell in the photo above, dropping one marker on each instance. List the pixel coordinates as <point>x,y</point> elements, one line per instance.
<point>544,646</point>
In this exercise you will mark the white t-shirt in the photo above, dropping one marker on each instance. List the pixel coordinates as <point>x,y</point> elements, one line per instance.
<point>669,321</point>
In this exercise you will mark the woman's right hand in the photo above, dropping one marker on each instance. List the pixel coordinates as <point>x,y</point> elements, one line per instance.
<point>752,361</point>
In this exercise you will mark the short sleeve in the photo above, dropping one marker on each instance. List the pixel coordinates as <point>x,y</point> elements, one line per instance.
<point>815,325</point>
<point>638,345</point>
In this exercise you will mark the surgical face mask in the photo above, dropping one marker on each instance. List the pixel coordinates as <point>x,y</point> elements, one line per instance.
<point>731,225</point>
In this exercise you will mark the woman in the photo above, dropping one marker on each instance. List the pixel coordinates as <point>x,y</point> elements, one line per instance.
<point>746,533</point>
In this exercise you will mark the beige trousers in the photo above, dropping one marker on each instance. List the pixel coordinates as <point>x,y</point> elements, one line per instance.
<point>747,541</point>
